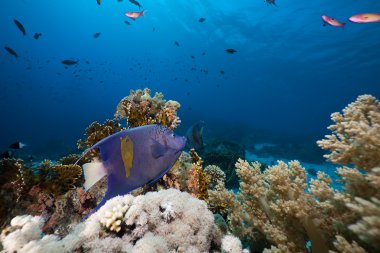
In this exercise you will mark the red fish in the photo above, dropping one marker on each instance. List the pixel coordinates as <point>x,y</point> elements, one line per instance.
<point>331,21</point>
<point>365,18</point>
<point>135,14</point>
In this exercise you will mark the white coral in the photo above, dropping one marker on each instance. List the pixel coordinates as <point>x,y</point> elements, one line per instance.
<point>113,219</point>
<point>191,227</point>
<point>231,244</point>
<point>169,213</point>
<point>23,229</point>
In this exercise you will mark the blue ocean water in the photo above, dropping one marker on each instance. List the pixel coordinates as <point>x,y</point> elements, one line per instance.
<point>289,73</point>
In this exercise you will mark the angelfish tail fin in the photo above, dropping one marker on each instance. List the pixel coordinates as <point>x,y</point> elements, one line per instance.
<point>93,172</point>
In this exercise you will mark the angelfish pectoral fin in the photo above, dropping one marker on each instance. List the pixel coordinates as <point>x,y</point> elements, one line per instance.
<point>157,149</point>
<point>126,149</point>
<point>93,172</point>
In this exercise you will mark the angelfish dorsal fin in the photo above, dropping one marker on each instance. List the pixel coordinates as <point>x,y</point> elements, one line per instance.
<point>157,149</point>
<point>93,172</point>
<point>126,149</point>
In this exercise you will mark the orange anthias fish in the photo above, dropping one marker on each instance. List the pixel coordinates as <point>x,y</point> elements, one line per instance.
<point>331,21</point>
<point>365,18</point>
<point>135,14</point>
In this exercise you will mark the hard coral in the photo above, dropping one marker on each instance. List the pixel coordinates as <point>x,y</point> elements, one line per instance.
<point>169,218</point>
<point>224,154</point>
<point>356,134</point>
<point>139,109</point>
<point>96,132</point>
<point>197,182</point>
<point>23,229</point>
<point>215,176</point>
<point>57,178</point>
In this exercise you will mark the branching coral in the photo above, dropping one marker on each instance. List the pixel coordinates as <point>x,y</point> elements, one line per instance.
<point>356,134</point>
<point>215,177</point>
<point>139,109</point>
<point>72,159</point>
<point>16,173</point>
<point>113,218</point>
<point>177,176</point>
<point>96,132</point>
<point>57,178</point>
<point>368,227</point>
<point>343,246</point>
<point>170,219</point>
<point>197,182</point>
<point>275,205</point>
<point>36,190</point>
<point>356,141</point>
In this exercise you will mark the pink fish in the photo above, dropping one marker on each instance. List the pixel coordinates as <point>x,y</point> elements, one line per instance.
<point>331,21</point>
<point>135,14</point>
<point>365,18</point>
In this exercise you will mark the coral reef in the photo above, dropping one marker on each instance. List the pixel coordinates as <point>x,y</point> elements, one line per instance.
<point>57,178</point>
<point>356,134</point>
<point>274,206</point>
<point>164,221</point>
<point>23,229</point>
<point>224,154</point>
<point>215,176</point>
<point>96,132</point>
<point>197,182</point>
<point>47,189</point>
<point>71,159</point>
<point>231,244</point>
<point>275,210</point>
<point>139,109</point>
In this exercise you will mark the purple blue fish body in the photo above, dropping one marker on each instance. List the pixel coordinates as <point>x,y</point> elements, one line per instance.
<point>133,158</point>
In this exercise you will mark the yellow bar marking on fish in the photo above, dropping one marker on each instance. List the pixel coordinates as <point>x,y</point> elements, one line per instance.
<point>126,149</point>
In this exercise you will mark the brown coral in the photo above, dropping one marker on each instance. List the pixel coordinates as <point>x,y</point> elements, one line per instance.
<point>57,178</point>
<point>197,182</point>
<point>139,109</point>
<point>95,133</point>
<point>356,134</point>
<point>215,176</point>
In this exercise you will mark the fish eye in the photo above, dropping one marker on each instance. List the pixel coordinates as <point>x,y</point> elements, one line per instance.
<point>173,135</point>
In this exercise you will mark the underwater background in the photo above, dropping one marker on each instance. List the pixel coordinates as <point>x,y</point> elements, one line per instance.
<point>288,75</point>
<point>190,126</point>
